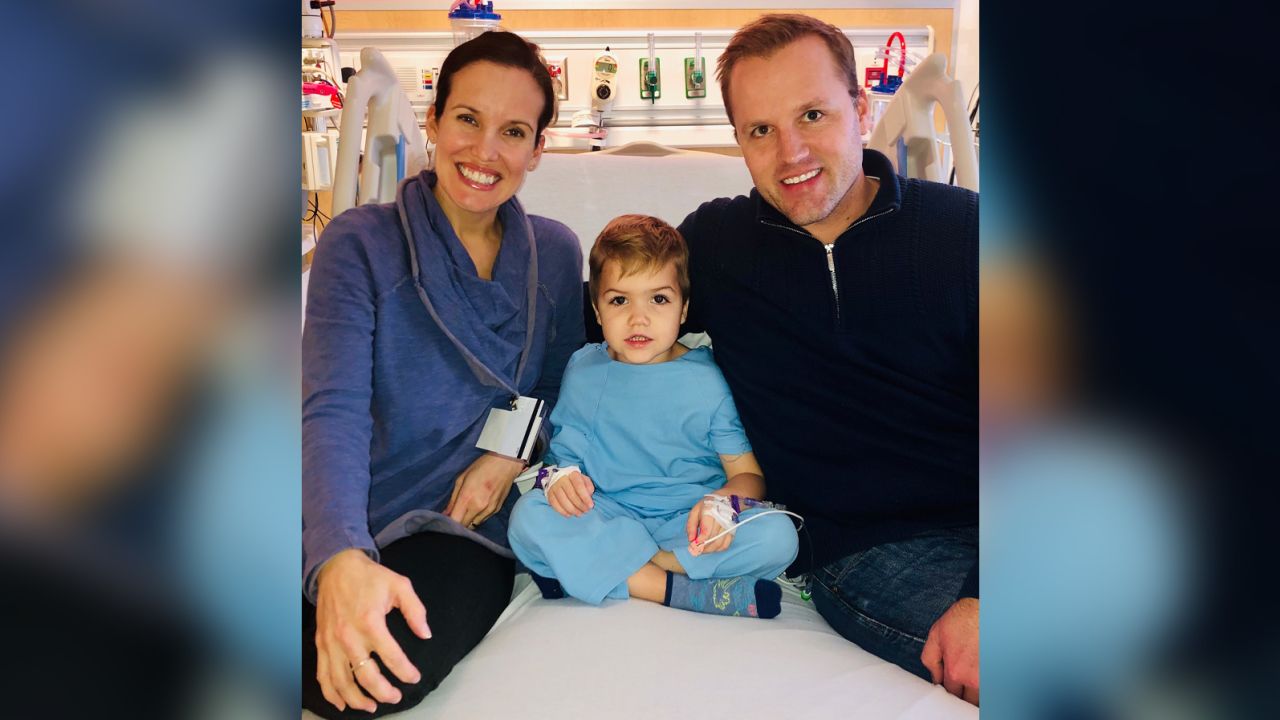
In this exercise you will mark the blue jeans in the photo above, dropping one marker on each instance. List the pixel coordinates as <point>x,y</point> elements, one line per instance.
<point>886,598</point>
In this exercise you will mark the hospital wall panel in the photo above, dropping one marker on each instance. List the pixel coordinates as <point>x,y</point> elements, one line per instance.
<point>940,19</point>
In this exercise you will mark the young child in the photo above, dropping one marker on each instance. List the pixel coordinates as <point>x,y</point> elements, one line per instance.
<point>651,428</point>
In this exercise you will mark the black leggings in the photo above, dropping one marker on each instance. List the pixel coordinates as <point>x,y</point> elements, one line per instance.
<point>465,588</point>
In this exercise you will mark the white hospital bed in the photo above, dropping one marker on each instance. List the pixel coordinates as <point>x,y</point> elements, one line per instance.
<point>632,659</point>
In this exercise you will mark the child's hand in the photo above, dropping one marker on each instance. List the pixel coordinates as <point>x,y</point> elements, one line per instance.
<point>571,495</point>
<point>703,525</point>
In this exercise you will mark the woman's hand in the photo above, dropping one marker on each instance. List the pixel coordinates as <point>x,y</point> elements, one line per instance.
<point>571,495</point>
<point>703,525</point>
<point>482,488</point>
<point>354,595</point>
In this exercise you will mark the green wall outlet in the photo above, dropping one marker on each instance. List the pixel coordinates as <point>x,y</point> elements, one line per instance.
<point>650,84</point>
<point>695,83</point>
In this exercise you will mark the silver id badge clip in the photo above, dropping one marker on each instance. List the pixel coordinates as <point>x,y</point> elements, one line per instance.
<point>513,433</point>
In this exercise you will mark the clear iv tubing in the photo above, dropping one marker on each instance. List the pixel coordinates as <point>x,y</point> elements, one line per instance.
<point>721,509</point>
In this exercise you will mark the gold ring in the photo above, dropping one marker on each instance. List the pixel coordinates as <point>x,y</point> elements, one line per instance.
<point>360,664</point>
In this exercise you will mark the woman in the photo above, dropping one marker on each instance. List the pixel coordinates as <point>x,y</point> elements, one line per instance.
<point>417,325</point>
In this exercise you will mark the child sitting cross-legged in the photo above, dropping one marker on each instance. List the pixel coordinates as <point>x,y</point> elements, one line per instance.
<point>644,430</point>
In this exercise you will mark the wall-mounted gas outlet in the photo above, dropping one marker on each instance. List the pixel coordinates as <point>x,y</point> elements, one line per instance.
<point>429,77</point>
<point>558,67</point>
<point>650,79</point>
<point>695,78</point>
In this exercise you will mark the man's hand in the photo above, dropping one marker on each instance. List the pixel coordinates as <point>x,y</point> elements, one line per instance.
<point>482,488</point>
<point>353,599</point>
<point>951,651</point>
<point>571,495</point>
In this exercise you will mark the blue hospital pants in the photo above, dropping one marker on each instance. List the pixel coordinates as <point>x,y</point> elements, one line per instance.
<point>593,555</point>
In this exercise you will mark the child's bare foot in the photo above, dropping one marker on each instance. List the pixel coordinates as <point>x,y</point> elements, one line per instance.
<point>668,561</point>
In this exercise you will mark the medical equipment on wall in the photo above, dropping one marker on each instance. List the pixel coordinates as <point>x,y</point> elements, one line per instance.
<point>905,133</point>
<point>558,69</point>
<point>594,102</point>
<point>604,82</point>
<point>889,83</point>
<point>320,62</point>
<point>695,71</point>
<point>880,83</point>
<point>313,23</point>
<point>394,146</point>
<point>651,74</point>
<point>588,123</point>
<point>322,91</point>
<point>321,88</point>
<point>468,19</point>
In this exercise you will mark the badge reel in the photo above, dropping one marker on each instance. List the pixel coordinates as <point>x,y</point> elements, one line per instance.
<point>513,432</point>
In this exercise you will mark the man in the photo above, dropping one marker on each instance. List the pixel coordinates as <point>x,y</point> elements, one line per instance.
<point>842,301</point>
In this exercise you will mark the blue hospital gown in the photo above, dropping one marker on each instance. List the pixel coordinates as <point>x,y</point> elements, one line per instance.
<point>650,438</point>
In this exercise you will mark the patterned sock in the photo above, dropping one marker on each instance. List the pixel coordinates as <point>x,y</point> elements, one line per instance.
<point>724,596</point>
<point>550,587</point>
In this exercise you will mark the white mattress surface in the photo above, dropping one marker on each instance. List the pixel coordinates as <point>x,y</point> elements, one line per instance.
<point>565,659</point>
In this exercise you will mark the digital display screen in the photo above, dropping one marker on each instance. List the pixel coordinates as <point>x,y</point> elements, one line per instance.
<point>604,66</point>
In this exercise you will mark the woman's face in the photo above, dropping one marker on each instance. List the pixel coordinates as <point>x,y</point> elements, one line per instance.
<point>486,138</point>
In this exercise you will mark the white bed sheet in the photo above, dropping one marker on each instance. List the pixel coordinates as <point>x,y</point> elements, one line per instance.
<point>633,659</point>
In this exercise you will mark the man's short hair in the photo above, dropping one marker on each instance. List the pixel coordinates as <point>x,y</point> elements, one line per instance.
<point>638,243</point>
<point>770,33</point>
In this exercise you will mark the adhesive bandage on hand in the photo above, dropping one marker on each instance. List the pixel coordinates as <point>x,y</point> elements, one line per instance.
<point>549,474</point>
<point>725,510</point>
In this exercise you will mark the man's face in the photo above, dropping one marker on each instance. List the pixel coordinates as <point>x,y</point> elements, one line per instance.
<point>799,133</point>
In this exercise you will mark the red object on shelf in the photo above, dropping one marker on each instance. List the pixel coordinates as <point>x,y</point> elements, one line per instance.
<point>890,83</point>
<point>318,88</point>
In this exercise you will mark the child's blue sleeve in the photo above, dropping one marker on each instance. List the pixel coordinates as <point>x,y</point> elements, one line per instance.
<point>559,451</point>
<point>727,435</point>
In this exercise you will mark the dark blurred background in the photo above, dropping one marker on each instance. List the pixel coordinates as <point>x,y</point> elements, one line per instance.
<point>1128,361</point>
<point>149,326</point>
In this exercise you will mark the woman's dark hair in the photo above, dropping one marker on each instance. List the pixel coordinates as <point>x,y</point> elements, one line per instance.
<point>502,48</point>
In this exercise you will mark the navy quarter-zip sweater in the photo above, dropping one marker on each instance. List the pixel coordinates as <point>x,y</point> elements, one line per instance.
<point>854,366</point>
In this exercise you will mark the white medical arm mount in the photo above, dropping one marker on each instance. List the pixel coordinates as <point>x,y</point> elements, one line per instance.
<point>909,117</point>
<point>374,91</point>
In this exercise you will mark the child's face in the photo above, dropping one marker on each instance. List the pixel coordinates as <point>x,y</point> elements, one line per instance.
<point>640,313</point>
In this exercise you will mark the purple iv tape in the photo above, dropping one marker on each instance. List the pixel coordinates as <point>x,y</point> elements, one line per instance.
<point>549,474</point>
